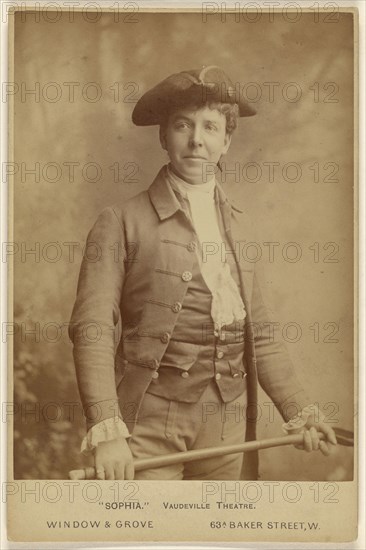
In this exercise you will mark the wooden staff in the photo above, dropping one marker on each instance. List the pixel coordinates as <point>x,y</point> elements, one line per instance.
<point>343,438</point>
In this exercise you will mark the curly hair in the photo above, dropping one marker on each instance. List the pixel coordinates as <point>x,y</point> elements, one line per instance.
<point>231,112</point>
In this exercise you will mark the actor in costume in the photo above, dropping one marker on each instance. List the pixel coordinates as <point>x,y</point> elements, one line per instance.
<point>178,357</point>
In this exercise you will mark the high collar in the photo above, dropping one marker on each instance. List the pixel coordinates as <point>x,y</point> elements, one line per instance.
<point>166,203</point>
<point>188,189</point>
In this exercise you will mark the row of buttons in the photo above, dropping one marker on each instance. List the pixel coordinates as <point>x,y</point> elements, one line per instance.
<point>155,375</point>
<point>155,363</point>
<point>165,339</point>
<point>185,374</point>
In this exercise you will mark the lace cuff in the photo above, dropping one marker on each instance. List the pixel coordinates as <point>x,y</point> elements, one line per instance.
<point>107,430</point>
<point>297,423</point>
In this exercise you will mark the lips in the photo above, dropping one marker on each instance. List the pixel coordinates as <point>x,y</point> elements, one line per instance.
<point>195,157</point>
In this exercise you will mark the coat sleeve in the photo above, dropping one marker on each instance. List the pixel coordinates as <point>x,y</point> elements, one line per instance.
<point>276,372</point>
<point>96,314</point>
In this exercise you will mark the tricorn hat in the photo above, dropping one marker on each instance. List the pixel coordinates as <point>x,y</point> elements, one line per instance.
<point>197,86</point>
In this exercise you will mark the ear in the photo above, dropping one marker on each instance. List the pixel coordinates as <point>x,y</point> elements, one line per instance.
<point>162,137</point>
<point>227,143</point>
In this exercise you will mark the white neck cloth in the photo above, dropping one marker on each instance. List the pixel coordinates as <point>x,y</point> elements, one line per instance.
<point>227,305</point>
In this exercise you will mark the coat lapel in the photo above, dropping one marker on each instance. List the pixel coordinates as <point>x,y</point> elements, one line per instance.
<point>162,196</point>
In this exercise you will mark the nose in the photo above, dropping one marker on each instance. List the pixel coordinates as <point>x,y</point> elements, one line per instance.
<point>196,137</point>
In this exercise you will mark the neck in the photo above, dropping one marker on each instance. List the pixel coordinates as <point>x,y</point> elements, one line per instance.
<point>189,185</point>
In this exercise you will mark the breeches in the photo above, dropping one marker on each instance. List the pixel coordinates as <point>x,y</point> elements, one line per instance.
<point>166,427</point>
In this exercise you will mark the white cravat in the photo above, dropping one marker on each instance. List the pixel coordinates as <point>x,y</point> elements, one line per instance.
<point>227,305</point>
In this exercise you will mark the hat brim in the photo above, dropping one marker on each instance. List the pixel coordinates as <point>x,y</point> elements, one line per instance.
<point>153,107</point>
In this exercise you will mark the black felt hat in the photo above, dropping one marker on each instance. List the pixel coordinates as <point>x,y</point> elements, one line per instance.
<point>194,87</point>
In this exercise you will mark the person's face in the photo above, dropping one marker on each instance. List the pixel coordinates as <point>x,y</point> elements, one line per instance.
<point>195,139</point>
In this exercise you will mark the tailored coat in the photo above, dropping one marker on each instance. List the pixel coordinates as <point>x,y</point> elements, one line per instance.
<point>141,252</point>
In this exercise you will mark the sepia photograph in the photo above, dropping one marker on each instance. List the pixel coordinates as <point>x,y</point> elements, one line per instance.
<point>183,270</point>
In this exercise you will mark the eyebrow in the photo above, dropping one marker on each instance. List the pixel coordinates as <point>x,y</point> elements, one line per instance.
<point>181,117</point>
<point>188,119</point>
